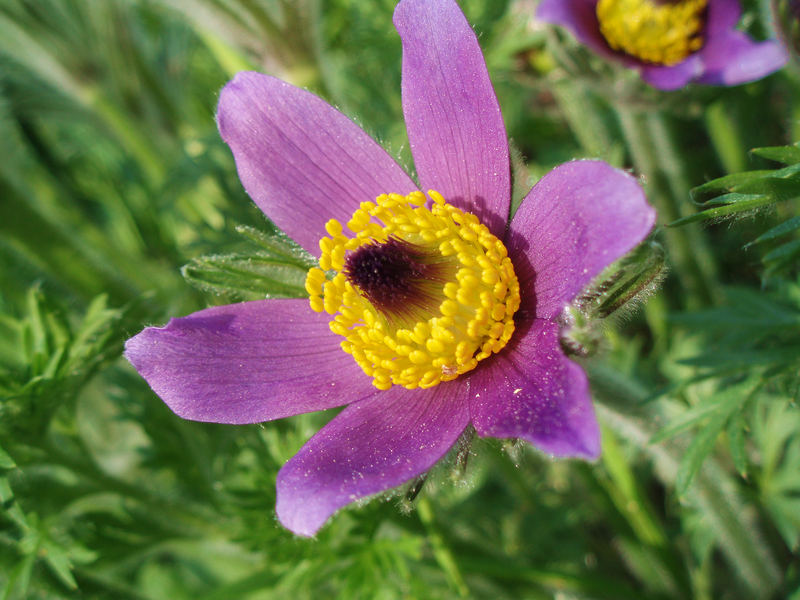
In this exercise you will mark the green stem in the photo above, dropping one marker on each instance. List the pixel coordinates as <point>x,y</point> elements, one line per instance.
<point>229,58</point>
<point>626,492</point>
<point>726,137</point>
<point>670,160</point>
<point>584,117</point>
<point>441,552</point>
<point>654,154</point>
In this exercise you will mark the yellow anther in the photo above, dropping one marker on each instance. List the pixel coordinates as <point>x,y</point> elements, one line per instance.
<point>334,228</point>
<point>450,290</point>
<point>316,303</point>
<point>449,308</point>
<point>369,318</point>
<point>662,33</point>
<point>446,248</point>
<point>314,281</point>
<point>418,357</point>
<point>463,313</point>
<point>468,235</point>
<point>466,295</point>
<point>434,346</point>
<point>326,245</point>
<point>436,197</point>
<point>498,312</point>
<point>443,332</point>
<point>490,276</point>
<point>421,333</point>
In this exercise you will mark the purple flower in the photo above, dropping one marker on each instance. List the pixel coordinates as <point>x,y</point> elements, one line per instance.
<point>436,298</point>
<point>670,42</point>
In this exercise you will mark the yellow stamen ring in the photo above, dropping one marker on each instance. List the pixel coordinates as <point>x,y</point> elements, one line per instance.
<point>662,33</point>
<point>472,313</point>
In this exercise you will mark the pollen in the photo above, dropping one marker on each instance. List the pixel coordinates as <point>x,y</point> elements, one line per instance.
<point>419,294</point>
<point>661,32</point>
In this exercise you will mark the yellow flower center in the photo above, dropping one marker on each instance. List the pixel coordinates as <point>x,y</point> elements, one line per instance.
<point>662,32</point>
<point>419,295</point>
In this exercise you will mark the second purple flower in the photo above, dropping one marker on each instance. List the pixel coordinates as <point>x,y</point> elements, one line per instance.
<point>670,42</point>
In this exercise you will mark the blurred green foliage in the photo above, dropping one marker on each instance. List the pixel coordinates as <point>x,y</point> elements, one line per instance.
<point>114,182</point>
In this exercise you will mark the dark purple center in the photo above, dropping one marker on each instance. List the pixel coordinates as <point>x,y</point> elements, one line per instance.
<point>394,275</point>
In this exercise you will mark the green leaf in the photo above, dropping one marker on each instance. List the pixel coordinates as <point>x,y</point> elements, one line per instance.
<point>698,450</point>
<point>744,192</point>
<point>723,402</point>
<point>746,358</point>
<point>254,275</point>
<point>726,184</point>
<point>775,433</point>
<point>736,203</point>
<point>57,560</point>
<point>744,309</point>
<point>19,579</point>
<point>276,270</point>
<point>6,493</point>
<point>737,444</point>
<point>787,155</point>
<point>766,186</point>
<point>279,245</point>
<point>787,251</point>
<point>6,462</point>
<point>789,226</point>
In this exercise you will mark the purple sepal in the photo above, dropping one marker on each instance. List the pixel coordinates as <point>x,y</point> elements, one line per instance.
<point>452,115</point>
<point>247,363</point>
<point>369,447</point>
<point>577,220</point>
<point>301,160</point>
<point>736,59</point>
<point>533,392</point>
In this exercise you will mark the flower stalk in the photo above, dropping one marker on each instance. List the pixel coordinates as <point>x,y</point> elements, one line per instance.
<point>652,149</point>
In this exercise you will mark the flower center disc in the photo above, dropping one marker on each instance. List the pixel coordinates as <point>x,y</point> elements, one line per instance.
<point>662,32</point>
<point>419,295</point>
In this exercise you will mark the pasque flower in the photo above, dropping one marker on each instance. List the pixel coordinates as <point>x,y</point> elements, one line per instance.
<point>670,42</point>
<point>432,314</point>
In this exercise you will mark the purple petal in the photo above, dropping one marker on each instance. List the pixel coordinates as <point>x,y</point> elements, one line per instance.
<point>369,447</point>
<point>453,118</point>
<point>674,77</point>
<point>733,58</point>
<point>533,392</point>
<point>578,219</point>
<point>723,15</point>
<point>580,17</point>
<point>248,362</point>
<point>302,161</point>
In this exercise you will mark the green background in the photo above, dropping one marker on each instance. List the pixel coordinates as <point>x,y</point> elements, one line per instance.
<point>120,207</point>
